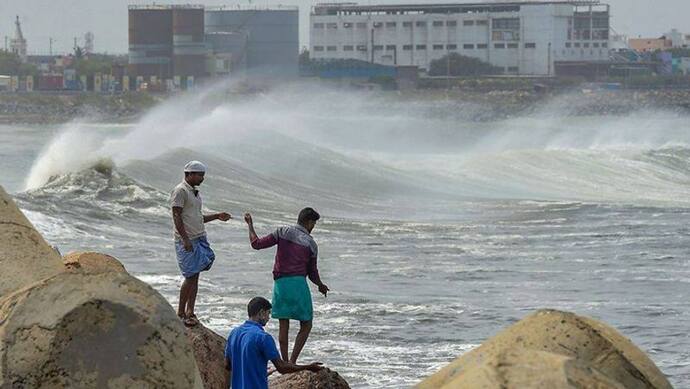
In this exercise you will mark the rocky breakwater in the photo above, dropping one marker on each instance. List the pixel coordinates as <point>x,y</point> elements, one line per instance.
<point>83,322</point>
<point>85,325</point>
<point>555,350</point>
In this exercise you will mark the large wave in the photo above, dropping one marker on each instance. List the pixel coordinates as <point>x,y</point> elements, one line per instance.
<point>354,148</point>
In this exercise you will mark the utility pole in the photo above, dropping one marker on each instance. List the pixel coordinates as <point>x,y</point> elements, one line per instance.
<point>50,47</point>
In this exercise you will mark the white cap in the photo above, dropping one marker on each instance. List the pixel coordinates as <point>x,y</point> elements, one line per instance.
<point>194,167</point>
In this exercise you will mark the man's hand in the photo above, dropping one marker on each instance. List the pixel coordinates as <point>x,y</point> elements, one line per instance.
<point>315,367</point>
<point>188,245</point>
<point>323,289</point>
<point>224,216</point>
<point>248,218</point>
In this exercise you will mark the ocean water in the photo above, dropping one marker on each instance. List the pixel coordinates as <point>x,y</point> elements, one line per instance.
<point>437,232</point>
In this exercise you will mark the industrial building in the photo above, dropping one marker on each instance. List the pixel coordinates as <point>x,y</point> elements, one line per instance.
<point>182,43</point>
<point>259,41</point>
<point>527,37</point>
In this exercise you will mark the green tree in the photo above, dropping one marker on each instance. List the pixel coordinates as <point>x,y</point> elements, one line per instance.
<point>454,64</point>
<point>12,65</point>
<point>96,63</point>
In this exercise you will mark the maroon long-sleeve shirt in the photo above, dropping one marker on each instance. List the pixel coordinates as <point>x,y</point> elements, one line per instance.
<point>296,255</point>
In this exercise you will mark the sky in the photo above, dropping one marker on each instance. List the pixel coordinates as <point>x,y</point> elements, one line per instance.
<point>63,20</point>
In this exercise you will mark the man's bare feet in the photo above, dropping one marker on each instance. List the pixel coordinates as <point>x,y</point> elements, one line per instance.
<point>189,320</point>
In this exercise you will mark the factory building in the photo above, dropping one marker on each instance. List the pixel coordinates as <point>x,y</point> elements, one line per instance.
<point>527,37</point>
<point>167,41</point>
<point>179,43</point>
<point>258,41</point>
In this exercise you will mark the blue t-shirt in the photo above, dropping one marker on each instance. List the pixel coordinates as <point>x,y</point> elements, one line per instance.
<point>249,349</point>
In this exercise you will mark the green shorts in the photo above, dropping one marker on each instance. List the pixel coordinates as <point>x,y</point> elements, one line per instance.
<point>292,299</point>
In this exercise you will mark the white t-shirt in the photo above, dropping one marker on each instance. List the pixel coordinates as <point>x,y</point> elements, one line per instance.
<point>183,196</point>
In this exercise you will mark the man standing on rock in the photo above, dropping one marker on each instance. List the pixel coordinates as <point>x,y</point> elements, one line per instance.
<point>295,260</point>
<point>249,348</point>
<point>194,253</point>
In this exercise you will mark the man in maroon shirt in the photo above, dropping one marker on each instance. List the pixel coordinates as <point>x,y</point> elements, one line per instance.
<point>295,260</point>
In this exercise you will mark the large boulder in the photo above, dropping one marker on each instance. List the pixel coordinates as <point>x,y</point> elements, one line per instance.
<point>324,379</point>
<point>25,257</point>
<point>91,262</point>
<point>552,349</point>
<point>209,351</point>
<point>61,328</point>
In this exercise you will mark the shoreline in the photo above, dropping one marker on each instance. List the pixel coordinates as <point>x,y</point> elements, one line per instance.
<point>468,103</point>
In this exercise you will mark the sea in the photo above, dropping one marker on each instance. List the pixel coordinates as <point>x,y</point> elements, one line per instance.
<point>437,231</point>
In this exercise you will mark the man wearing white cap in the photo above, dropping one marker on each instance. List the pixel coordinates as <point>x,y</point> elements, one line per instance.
<point>194,253</point>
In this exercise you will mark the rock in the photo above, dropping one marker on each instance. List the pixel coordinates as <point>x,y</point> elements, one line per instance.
<point>25,257</point>
<point>209,351</point>
<point>552,349</point>
<point>92,262</point>
<point>325,379</point>
<point>62,328</point>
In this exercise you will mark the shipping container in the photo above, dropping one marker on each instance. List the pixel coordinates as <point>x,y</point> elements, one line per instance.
<point>48,82</point>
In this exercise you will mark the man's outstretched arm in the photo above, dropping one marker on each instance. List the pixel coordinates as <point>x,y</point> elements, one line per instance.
<point>223,216</point>
<point>256,242</point>
<point>285,367</point>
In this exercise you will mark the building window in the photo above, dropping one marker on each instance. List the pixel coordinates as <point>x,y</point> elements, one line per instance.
<point>451,23</point>
<point>348,48</point>
<point>378,47</point>
<point>318,48</point>
<point>586,44</point>
<point>420,24</point>
<point>331,48</point>
<point>595,44</point>
<point>499,46</point>
<point>512,45</point>
<point>361,25</point>
<point>347,25</point>
<point>407,47</point>
<point>378,24</point>
<point>568,44</point>
<point>530,45</point>
<point>506,24</point>
<point>468,22</point>
<point>451,47</point>
<point>390,24</point>
<point>361,47</point>
<point>604,44</point>
<point>513,69</point>
<point>577,44</point>
<point>437,23</point>
<point>390,47</point>
<point>505,35</point>
<point>318,25</point>
<point>407,24</point>
<point>420,47</point>
<point>438,47</point>
<point>482,22</point>
<point>482,46</point>
<point>468,46</point>
<point>331,25</point>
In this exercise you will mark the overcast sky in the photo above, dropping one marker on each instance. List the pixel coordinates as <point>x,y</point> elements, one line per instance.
<point>107,19</point>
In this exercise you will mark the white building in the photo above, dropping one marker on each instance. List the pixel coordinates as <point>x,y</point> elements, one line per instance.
<point>678,39</point>
<point>525,37</point>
